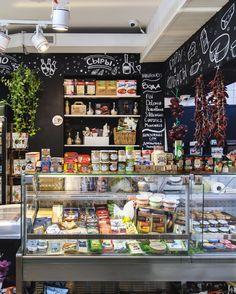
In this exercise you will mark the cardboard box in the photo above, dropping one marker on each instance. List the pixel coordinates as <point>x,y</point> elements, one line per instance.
<point>96,141</point>
<point>111,88</point>
<point>78,108</point>
<point>19,140</point>
<point>100,87</point>
<point>18,166</point>
<point>31,159</point>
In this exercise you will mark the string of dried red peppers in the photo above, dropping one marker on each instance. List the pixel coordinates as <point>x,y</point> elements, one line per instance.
<point>218,101</point>
<point>178,130</point>
<point>201,115</point>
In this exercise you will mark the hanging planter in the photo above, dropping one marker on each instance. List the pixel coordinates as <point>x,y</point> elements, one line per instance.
<point>23,86</point>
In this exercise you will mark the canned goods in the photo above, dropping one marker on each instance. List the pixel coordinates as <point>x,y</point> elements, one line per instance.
<point>121,156</point>
<point>179,164</point>
<point>198,164</point>
<point>137,155</point>
<point>113,155</point>
<point>96,167</point>
<point>104,167</point>
<point>104,156</point>
<point>69,87</point>
<point>209,164</point>
<point>113,166</point>
<point>121,166</point>
<point>129,150</point>
<point>129,166</point>
<point>188,163</point>
<point>95,156</point>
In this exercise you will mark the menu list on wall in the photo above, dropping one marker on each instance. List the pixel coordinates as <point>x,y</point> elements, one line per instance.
<point>153,127</point>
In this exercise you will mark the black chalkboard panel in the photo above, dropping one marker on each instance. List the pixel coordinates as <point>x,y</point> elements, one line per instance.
<point>212,46</point>
<point>153,128</point>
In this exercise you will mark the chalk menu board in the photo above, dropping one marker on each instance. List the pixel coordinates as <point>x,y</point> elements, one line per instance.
<point>212,46</point>
<point>153,127</point>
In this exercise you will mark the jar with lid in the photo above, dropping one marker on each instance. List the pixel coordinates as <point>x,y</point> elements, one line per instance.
<point>188,163</point>
<point>104,156</point>
<point>198,163</point>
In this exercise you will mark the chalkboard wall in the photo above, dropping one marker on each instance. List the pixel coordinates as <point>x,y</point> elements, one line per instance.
<point>53,68</point>
<point>210,47</point>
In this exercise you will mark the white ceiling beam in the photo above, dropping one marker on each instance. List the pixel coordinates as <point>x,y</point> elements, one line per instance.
<point>82,43</point>
<point>164,15</point>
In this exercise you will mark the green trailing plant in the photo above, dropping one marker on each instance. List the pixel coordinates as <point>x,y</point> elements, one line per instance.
<point>23,85</point>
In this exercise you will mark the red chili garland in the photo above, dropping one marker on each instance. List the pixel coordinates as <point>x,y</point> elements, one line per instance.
<point>201,115</point>
<point>178,131</point>
<point>218,102</point>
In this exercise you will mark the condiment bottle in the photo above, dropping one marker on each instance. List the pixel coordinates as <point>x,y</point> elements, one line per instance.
<point>67,108</point>
<point>135,110</point>
<point>69,139</point>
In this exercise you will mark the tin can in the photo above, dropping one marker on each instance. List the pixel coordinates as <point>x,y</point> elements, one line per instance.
<point>104,156</point>
<point>121,166</point>
<point>209,164</point>
<point>113,155</point>
<point>104,167</point>
<point>96,167</point>
<point>198,163</point>
<point>113,166</point>
<point>95,156</point>
<point>129,166</point>
<point>121,156</point>
<point>69,87</point>
<point>188,163</point>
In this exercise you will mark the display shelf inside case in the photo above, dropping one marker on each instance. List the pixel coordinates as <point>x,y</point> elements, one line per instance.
<point>105,214</point>
<point>213,215</point>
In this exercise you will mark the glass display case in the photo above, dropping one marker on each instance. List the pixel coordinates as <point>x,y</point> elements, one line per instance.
<point>127,227</point>
<point>213,215</point>
<point>105,215</point>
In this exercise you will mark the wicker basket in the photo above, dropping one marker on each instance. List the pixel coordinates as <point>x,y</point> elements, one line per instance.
<point>124,138</point>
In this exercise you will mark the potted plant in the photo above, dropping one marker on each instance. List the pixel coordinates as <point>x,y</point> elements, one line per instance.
<point>4,267</point>
<point>23,85</point>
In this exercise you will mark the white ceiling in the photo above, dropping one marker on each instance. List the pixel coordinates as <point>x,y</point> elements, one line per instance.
<point>101,26</point>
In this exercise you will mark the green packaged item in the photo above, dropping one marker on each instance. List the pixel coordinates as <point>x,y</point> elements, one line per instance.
<point>95,246</point>
<point>178,149</point>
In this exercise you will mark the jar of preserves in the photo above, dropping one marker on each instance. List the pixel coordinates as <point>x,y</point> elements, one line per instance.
<point>188,164</point>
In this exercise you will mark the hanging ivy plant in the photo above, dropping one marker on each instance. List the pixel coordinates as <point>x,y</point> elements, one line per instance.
<point>23,85</point>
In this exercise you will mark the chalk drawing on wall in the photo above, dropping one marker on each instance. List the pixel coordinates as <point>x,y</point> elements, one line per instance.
<point>195,67</point>
<point>48,67</point>
<point>226,18</point>
<point>233,49</point>
<point>219,48</point>
<point>204,41</point>
<point>192,50</point>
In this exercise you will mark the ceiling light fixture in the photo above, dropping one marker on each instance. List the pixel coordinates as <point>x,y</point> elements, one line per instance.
<point>4,40</point>
<point>39,41</point>
<point>60,19</point>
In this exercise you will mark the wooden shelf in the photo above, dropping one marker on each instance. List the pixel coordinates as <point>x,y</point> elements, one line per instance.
<point>102,115</point>
<point>100,96</point>
<point>105,146</point>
